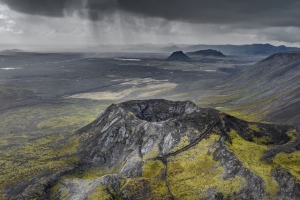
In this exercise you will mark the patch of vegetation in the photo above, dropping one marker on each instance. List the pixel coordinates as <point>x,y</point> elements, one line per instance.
<point>264,140</point>
<point>103,193</point>
<point>193,172</point>
<point>254,127</point>
<point>148,189</point>
<point>219,99</point>
<point>36,158</point>
<point>38,140</point>
<point>14,171</point>
<point>151,169</point>
<point>25,123</point>
<point>249,153</point>
<point>289,161</point>
<point>293,135</point>
<point>244,114</point>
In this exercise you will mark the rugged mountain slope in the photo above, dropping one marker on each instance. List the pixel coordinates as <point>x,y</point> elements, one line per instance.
<point>178,56</point>
<point>208,52</point>
<point>269,89</point>
<point>159,149</point>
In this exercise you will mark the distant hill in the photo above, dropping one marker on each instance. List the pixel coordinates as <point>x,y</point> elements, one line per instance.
<point>208,52</point>
<point>170,48</point>
<point>178,56</point>
<point>253,49</point>
<point>10,51</point>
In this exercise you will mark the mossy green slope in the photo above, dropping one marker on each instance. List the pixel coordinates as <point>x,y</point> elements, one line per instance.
<point>195,172</point>
<point>35,149</point>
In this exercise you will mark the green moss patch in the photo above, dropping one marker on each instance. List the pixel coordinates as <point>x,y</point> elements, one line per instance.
<point>193,172</point>
<point>147,189</point>
<point>250,153</point>
<point>152,168</point>
<point>290,161</point>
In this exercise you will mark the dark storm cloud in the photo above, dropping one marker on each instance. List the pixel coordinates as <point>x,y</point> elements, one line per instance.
<point>94,9</point>
<point>53,8</point>
<point>255,12</point>
<point>98,8</point>
<point>265,12</point>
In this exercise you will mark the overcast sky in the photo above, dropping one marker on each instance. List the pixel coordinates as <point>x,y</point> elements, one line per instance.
<point>65,22</point>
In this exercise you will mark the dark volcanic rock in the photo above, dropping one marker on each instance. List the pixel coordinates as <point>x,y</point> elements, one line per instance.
<point>156,111</point>
<point>159,149</point>
<point>208,52</point>
<point>178,56</point>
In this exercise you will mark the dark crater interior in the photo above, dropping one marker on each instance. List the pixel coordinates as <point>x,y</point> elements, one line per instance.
<point>157,110</point>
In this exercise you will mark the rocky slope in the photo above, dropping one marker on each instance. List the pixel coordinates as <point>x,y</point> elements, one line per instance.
<point>178,56</point>
<point>208,52</point>
<point>159,149</point>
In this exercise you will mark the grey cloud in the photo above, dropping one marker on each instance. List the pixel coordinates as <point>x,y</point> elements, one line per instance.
<point>288,35</point>
<point>254,12</point>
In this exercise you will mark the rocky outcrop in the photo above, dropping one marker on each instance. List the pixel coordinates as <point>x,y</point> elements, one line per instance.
<point>158,149</point>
